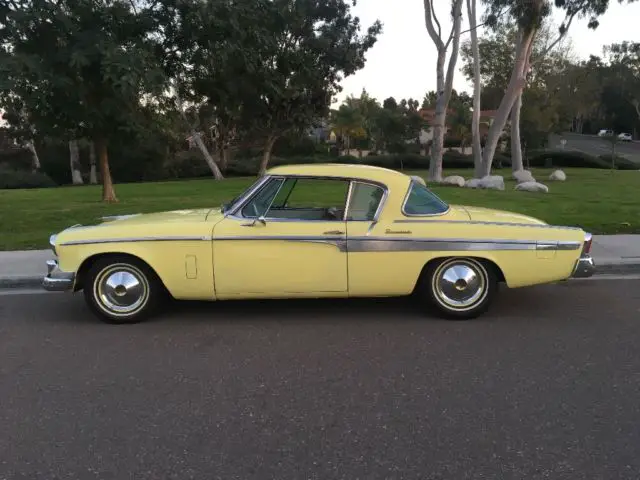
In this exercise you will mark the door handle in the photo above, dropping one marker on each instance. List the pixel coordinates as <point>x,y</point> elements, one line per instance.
<point>334,232</point>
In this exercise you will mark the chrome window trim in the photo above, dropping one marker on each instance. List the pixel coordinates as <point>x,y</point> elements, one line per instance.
<point>273,178</point>
<point>406,198</point>
<point>239,203</point>
<point>185,238</point>
<point>381,204</point>
<point>234,215</point>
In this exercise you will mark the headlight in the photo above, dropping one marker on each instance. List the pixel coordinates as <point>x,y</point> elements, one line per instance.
<point>52,242</point>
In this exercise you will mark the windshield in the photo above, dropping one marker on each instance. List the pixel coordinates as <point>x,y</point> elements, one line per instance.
<point>229,205</point>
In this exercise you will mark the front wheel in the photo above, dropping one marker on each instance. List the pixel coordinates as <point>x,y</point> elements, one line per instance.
<point>120,289</point>
<point>459,288</point>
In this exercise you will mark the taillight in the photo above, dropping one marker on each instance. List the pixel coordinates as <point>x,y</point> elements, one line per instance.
<point>586,248</point>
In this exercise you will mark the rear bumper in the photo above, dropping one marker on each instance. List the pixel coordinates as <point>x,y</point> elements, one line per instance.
<point>56,280</point>
<point>585,267</point>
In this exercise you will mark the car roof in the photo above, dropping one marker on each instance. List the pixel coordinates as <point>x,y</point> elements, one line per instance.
<point>339,170</point>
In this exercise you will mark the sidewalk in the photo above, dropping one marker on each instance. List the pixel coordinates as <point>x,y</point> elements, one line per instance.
<point>613,254</point>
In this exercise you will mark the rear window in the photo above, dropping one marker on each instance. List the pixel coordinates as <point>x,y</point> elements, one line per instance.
<point>422,201</point>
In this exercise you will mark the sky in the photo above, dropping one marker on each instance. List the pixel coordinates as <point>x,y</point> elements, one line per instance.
<point>402,62</point>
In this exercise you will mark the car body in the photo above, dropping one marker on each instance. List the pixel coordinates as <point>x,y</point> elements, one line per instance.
<point>605,133</point>
<point>625,137</point>
<point>368,232</point>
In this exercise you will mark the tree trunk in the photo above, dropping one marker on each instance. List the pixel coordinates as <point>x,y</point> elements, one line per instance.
<point>516,144</point>
<point>108,193</point>
<point>35,160</point>
<point>207,156</point>
<point>93,175</point>
<point>477,91</point>
<point>439,120</point>
<point>74,161</point>
<point>266,154</point>
<point>444,86</point>
<point>515,87</point>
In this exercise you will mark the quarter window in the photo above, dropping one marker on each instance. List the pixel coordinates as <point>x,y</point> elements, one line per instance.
<point>422,201</point>
<point>364,202</point>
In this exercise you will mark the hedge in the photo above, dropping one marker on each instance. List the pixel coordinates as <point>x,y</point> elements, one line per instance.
<point>24,179</point>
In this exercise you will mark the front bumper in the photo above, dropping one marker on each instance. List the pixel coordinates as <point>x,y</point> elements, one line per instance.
<point>585,267</point>
<point>56,280</point>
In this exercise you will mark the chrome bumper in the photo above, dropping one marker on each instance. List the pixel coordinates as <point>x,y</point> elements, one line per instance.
<point>585,267</point>
<point>56,280</point>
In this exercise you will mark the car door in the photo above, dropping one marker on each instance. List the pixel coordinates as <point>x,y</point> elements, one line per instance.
<point>287,240</point>
<point>384,257</point>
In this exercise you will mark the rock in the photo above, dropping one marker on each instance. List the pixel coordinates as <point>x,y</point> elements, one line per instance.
<point>532,187</point>
<point>492,182</point>
<point>558,175</point>
<point>521,176</point>
<point>454,180</point>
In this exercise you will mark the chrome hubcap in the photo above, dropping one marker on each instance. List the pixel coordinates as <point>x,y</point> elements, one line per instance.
<point>460,284</point>
<point>121,289</point>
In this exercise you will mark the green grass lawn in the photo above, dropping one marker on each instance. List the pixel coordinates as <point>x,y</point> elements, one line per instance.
<point>598,200</point>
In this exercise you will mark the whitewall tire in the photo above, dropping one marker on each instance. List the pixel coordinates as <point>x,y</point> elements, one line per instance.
<point>459,288</point>
<point>122,289</point>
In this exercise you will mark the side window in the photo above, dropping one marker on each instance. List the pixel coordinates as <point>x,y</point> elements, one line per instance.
<point>261,202</point>
<point>364,202</point>
<point>422,201</point>
<point>303,199</point>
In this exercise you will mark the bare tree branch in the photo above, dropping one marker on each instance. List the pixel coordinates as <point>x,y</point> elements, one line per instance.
<point>435,19</point>
<point>428,20</point>
<point>566,24</point>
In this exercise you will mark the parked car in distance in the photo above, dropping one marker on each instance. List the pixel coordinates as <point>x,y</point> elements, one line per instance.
<point>625,137</point>
<point>605,133</point>
<point>316,231</point>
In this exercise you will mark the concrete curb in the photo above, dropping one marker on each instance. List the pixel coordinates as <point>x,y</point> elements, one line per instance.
<point>31,281</point>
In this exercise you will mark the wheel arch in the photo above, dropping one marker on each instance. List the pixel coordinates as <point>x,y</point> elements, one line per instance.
<point>88,262</point>
<point>487,262</point>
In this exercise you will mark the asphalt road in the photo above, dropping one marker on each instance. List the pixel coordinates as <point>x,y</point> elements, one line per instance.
<point>595,145</point>
<point>546,386</point>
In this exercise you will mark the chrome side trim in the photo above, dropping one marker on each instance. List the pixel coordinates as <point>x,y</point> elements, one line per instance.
<point>56,280</point>
<point>478,222</point>
<point>561,245</point>
<point>404,244</point>
<point>137,239</point>
<point>406,198</point>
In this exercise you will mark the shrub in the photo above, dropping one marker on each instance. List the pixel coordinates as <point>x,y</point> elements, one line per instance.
<point>565,158</point>
<point>24,179</point>
<point>187,164</point>
<point>621,163</point>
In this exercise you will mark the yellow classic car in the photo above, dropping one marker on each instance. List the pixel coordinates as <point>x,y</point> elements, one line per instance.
<point>315,231</point>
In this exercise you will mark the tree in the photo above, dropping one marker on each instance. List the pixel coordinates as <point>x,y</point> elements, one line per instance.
<point>546,66</point>
<point>81,68</point>
<point>444,84</point>
<point>317,44</point>
<point>477,89</point>
<point>529,16</point>
<point>624,60</point>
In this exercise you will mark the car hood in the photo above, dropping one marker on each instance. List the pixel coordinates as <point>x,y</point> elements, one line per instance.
<point>174,216</point>
<point>480,214</point>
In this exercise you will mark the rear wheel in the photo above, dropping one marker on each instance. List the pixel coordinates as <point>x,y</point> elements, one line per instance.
<point>120,289</point>
<point>459,288</point>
